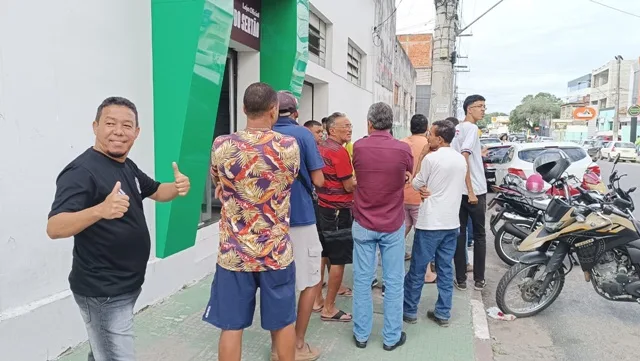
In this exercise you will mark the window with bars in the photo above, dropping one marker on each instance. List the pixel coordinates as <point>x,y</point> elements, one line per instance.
<point>354,65</point>
<point>317,39</point>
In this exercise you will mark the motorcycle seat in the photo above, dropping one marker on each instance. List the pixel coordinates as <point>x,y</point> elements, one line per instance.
<point>541,203</point>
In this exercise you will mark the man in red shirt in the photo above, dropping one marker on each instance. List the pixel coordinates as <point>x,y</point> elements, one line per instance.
<point>335,199</point>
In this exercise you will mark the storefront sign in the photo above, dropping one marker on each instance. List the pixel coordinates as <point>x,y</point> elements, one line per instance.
<point>246,22</point>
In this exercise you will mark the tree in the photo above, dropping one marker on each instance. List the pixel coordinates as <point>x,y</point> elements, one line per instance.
<point>482,123</point>
<point>533,110</point>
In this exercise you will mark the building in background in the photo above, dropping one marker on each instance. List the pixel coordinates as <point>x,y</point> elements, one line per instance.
<point>419,49</point>
<point>404,92</point>
<point>186,65</point>
<point>604,81</point>
<point>350,67</point>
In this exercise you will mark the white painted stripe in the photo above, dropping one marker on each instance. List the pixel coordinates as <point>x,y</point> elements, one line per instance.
<point>22,310</point>
<point>480,325</point>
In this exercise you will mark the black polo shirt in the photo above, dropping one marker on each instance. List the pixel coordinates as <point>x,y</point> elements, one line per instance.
<point>109,257</point>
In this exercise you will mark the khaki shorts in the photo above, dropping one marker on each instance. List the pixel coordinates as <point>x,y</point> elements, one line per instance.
<point>307,252</point>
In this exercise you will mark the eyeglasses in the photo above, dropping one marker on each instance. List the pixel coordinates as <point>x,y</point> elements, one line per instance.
<point>348,126</point>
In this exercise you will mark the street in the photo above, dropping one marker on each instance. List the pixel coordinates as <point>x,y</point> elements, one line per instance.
<point>580,325</point>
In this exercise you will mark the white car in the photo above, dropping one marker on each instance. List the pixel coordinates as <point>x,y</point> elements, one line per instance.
<point>627,151</point>
<point>519,160</point>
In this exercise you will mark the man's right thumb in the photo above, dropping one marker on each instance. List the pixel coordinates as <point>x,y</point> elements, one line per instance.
<point>116,189</point>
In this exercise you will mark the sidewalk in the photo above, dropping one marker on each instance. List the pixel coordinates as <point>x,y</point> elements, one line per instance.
<point>173,331</point>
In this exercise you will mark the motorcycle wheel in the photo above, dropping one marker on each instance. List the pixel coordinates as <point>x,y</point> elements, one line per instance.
<point>551,294</point>
<point>500,243</point>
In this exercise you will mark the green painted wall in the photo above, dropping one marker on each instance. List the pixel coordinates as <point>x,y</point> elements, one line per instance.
<point>190,40</point>
<point>284,38</point>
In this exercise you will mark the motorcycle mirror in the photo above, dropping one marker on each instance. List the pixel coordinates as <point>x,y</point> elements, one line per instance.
<point>631,190</point>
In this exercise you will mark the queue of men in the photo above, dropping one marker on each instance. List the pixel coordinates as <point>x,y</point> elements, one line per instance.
<point>296,199</point>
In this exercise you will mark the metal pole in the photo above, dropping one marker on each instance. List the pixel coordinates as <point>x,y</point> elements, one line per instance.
<point>442,73</point>
<point>616,121</point>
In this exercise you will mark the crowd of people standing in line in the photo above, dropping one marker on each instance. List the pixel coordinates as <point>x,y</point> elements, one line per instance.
<point>296,200</point>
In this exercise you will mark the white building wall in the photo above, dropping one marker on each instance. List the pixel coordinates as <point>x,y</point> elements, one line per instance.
<point>55,69</point>
<point>333,92</point>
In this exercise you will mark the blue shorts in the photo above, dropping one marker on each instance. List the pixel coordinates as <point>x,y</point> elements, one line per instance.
<point>233,299</point>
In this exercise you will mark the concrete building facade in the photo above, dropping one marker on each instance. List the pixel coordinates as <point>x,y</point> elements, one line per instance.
<point>185,64</point>
<point>419,48</point>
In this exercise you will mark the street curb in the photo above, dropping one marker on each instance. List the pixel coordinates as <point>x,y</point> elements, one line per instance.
<point>481,334</point>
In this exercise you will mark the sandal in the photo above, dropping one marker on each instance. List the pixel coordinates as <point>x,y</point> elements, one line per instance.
<point>319,309</point>
<point>338,317</point>
<point>348,292</point>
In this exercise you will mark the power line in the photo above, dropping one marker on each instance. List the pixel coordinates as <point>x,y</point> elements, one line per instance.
<point>616,9</point>
<point>389,17</point>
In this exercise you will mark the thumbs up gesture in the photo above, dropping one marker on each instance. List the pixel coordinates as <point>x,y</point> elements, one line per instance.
<point>181,181</point>
<point>115,205</point>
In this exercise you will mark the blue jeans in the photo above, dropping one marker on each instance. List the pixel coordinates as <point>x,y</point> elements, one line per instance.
<point>427,246</point>
<point>109,323</point>
<point>392,253</point>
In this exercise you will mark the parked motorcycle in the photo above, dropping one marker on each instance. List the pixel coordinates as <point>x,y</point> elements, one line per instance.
<point>520,221</point>
<point>603,235</point>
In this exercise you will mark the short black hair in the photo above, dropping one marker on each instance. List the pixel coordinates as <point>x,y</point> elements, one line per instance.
<point>419,124</point>
<point>445,129</point>
<point>453,120</point>
<point>119,101</point>
<point>312,123</point>
<point>258,99</point>
<point>470,100</point>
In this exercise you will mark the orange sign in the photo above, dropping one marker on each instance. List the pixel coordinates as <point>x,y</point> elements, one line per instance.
<point>584,113</point>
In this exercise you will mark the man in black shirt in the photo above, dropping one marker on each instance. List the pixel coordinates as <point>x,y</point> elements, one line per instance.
<point>98,201</point>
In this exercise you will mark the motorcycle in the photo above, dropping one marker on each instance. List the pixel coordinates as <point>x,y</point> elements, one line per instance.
<point>518,226</point>
<point>604,237</point>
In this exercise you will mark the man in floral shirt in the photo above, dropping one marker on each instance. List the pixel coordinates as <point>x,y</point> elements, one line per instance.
<point>254,170</point>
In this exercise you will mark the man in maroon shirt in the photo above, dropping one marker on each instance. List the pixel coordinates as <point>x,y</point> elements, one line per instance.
<point>383,165</point>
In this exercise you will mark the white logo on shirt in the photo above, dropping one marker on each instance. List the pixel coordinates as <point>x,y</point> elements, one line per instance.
<point>138,185</point>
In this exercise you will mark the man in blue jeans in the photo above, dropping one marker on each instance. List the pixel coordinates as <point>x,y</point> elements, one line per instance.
<point>98,202</point>
<point>440,176</point>
<point>383,165</point>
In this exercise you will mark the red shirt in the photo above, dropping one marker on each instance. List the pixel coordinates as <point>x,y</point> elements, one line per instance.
<point>381,163</point>
<point>337,168</point>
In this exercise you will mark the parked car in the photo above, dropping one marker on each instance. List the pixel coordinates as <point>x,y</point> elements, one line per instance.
<point>627,151</point>
<point>495,154</point>
<point>520,158</point>
<point>489,140</point>
<point>592,146</point>
<point>544,139</point>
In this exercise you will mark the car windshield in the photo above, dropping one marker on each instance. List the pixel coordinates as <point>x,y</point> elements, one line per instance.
<point>625,145</point>
<point>530,155</point>
<point>589,143</point>
<point>497,155</point>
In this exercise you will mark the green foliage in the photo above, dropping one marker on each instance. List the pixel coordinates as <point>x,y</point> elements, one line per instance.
<point>533,110</point>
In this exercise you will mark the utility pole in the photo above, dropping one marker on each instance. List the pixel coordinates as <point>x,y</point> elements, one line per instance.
<point>444,57</point>
<point>616,121</point>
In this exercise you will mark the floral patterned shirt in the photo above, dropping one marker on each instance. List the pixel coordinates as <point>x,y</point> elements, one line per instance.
<point>256,169</point>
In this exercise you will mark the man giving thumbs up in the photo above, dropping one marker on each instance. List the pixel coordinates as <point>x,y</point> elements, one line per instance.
<point>98,202</point>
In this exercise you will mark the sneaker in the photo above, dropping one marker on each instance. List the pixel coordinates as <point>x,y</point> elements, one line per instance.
<point>410,320</point>
<point>383,290</point>
<point>374,284</point>
<point>403,339</point>
<point>460,286</point>
<point>432,316</point>
<point>479,285</point>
